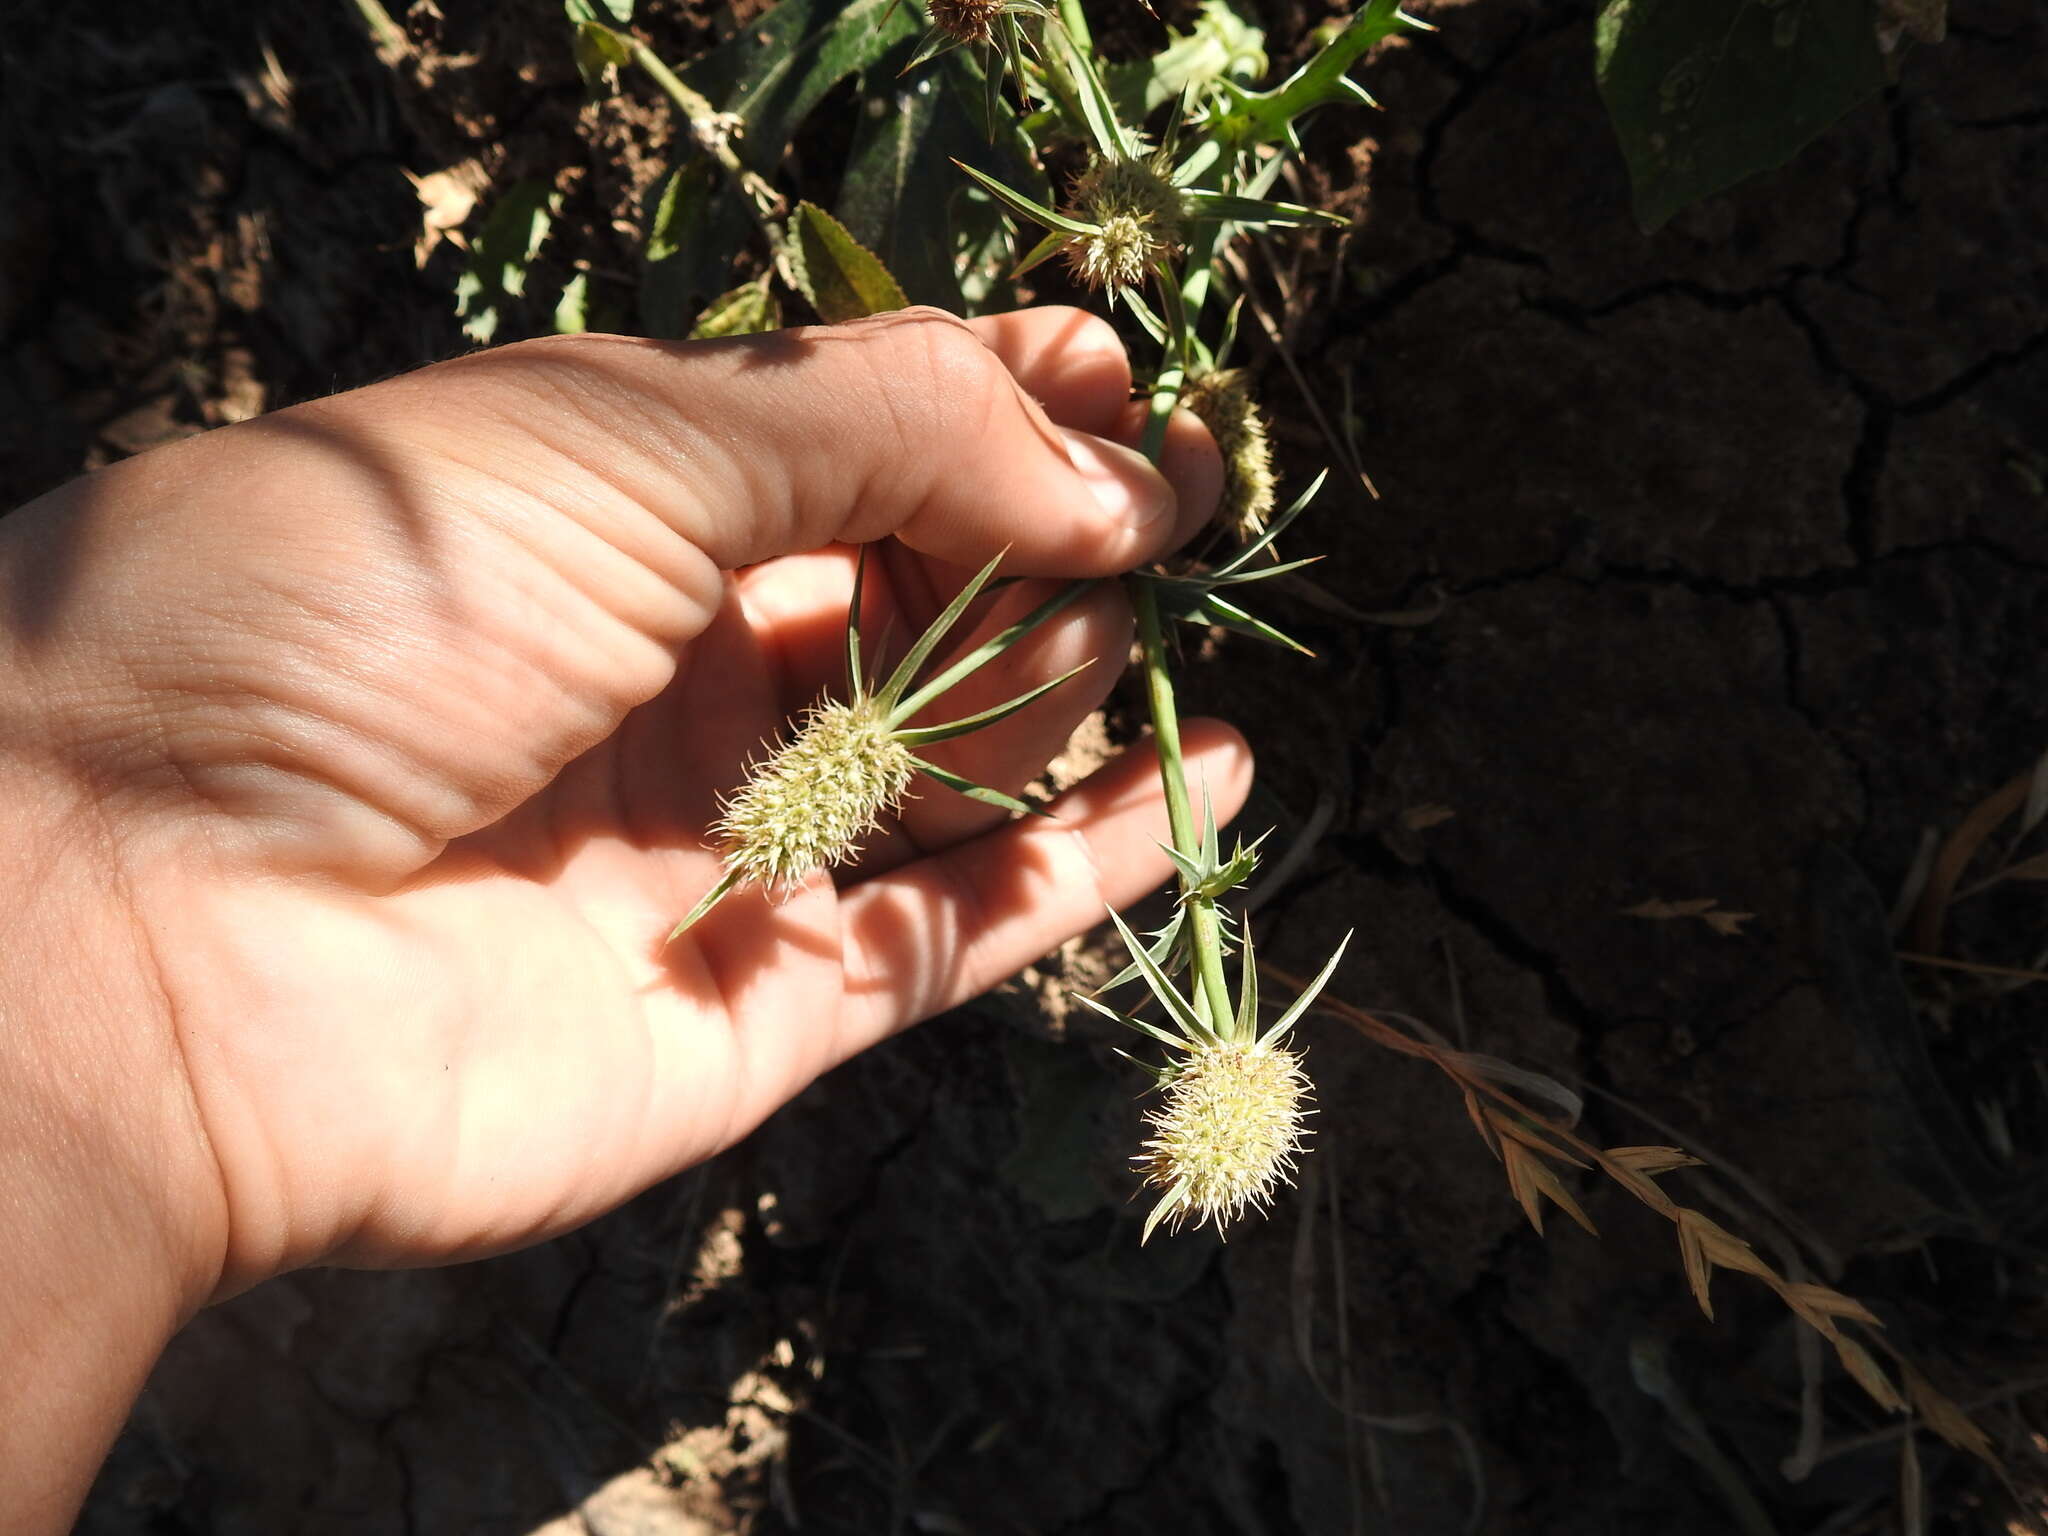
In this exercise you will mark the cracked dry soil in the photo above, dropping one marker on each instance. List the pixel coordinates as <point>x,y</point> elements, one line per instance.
<point>1731,547</point>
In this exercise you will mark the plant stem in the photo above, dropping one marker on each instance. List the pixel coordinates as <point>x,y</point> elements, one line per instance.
<point>1205,929</point>
<point>767,205</point>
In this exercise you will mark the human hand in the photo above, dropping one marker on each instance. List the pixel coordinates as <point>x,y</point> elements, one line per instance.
<point>364,754</point>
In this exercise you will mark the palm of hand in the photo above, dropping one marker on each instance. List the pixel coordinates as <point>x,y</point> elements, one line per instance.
<point>420,992</point>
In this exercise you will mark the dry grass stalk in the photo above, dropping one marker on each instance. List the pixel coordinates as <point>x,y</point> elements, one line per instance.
<point>1530,1145</point>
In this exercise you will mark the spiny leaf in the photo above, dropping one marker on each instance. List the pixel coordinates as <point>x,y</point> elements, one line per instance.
<point>842,278</point>
<point>1184,1013</point>
<point>922,736</point>
<point>1258,212</point>
<point>980,793</point>
<point>711,898</point>
<point>906,670</point>
<point>1302,1004</point>
<point>1025,207</point>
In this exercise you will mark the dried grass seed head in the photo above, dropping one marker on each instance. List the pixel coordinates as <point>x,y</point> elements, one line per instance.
<point>1136,211</point>
<point>1227,1134</point>
<point>812,801</point>
<point>1222,400</point>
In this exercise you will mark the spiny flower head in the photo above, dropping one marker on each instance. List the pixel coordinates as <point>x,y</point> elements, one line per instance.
<point>808,806</point>
<point>965,21</point>
<point>1136,211</point>
<point>1222,399</point>
<point>1227,1133</point>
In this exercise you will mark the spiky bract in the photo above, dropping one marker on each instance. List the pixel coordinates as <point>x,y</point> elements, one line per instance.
<point>1223,400</point>
<point>965,21</point>
<point>808,806</point>
<point>1136,211</point>
<point>1227,1133</point>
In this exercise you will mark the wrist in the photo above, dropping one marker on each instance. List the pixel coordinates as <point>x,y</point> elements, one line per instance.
<point>111,1223</point>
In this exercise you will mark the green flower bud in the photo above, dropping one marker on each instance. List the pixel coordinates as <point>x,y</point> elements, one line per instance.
<point>808,806</point>
<point>1227,1133</point>
<point>1223,401</point>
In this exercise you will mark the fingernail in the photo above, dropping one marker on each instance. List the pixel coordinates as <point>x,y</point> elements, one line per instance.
<point>1123,480</point>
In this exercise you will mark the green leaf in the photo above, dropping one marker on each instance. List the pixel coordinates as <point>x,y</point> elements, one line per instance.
<point>1025,207</point>
<point>696,228</point>
<point>1221,45</point>
<point>1301,1005</point>
<point>745,311</point>
<point>988,650</point>
<point>495,273</point>
<point>1112,139</point>
<point>924,736</point>
<point>572,309</point>
<point>598,51</point>
<point>906,670</point>
<point>842,278</point>
<point>776,69</point>
<point>980,792</point>
<point>903,198</point>
<point>622,10</point>
<point>1703,93</point>
<point>1179,1008</point>
<point>1255,211</point>
<point>1269,117</point>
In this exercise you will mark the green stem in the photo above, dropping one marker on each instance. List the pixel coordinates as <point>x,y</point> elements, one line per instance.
<point>766,204</point>
<point>1205,928</point>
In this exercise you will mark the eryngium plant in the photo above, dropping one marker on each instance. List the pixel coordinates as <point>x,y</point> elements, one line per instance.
<point>811,801</point>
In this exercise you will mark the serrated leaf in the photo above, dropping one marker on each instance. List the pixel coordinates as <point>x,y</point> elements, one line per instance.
<point>842,278</point>
<point>903,199</point>
<point>744,311</point>
<point>1704,93</point>
<point>512,235</point>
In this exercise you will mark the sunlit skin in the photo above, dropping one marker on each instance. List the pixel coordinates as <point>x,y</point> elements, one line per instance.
<point>357,761</point>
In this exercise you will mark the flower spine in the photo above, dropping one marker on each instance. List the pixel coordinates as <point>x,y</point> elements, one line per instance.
<point>1222,399</point>
<point>809,805</point>
<point>1136,211</point>
<point>1227,1134</point>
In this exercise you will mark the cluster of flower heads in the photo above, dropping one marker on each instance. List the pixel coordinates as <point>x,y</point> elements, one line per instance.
<point>1136,212</point>
<point>1226,1133</point>
<point>813,801</point>
<point>1222,400</point>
